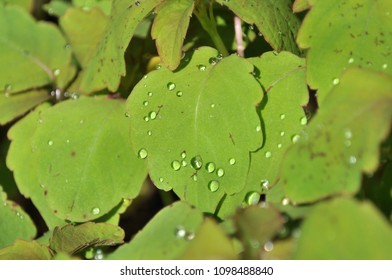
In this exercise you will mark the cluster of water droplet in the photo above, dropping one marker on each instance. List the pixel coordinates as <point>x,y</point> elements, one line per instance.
<point>182,233</point>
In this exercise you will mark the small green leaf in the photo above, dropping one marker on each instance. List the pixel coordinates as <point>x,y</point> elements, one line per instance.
<point>342,140</point>
<point>196,127</point>
<point>169,29</point>
<point>343,229</point>
<point>300,5</point>
<point>34,54</point>
<point>108,65</point>
<point>165,237</point>
<point>14,105</point>
<point>15,223</point>
<point>25,250</point>
<point>274,19</point>
<point>86,164</point>
<point>337,37</point>
<point>72,239</point>
<point>25,175</point>
<point>84,30</point>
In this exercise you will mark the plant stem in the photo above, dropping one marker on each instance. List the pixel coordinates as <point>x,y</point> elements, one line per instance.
<point>207,21</point>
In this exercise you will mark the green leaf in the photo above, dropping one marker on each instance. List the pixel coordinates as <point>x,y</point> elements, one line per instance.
<point>104,5</point>
<point>12,106</point>
<point>25,250</point>
<point>169,30</point>
<point>340,34</point>
<point>274,19</point>
<point>108,65</point>
<point>25,4</point>
<point>72,239</point>
<point>34,54</point>
<point>342,140</point>
<point>343,229</point>
<point>56,7</point>
<point>175,225</point>
<point>210,242</point>
<point>84,30</point>
<point>25,175</point>
<point>86,164</point>
<point>15,223</point>
<point>300,5</point>
<point>196,127</point>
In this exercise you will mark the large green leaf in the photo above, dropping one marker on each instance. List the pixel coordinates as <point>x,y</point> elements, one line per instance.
<point>282,78</point>
<point>108,65</point>
<point>196,127</point>
<point>25,250</point>
<point>345,229</point>
<point>104,5</point>
<point>274,19</point>
<point>86,163</point>
<point>169,29</point>
<point>345,33</point>
<point>34,54</point>
<point>15,223</point>
<point>25,4</point>
<point>25,175</point>
<point>84,30</point>
<point>12,106</point>
<point>72,239</point>
<point>165,237</point>
<point>342,140</point>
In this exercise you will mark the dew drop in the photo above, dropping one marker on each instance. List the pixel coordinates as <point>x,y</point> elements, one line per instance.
<point>348,134</point>
<point>268,154</point>
<point>219,56</point>
<point>143,153</point>
<point>251,27</point>
<point>176,165</point>
<point>179,93</point>
<point>189,236</point>
<point>212,105</point>
<point>194,177</point>
<point>213,60</point>
<point>149,133</point>
<point>210,167</point>
<point>153,115</point>
<point>282,133</point>
<point>127,115</point>
<point>384,66</point>
<point>145,76</point>
<point>161,179</point>
<point>95,211</point>
<point>351,60</point>
<point>213,185</point>
<point>347,143</point>
<point>295,138</point>
<point>159,66</point>
<point>252,198</point>
<point>183,154</point>
<point>258,128</point>
<point>201,67</point>
<point>150,94</point>
<point>146,118</point>
<point>282,116</point>
<point>98,255</point>
<point>352,160</point>
<point>184,163</point>
<point>81,121</point>
<point>264,185</point>
<point>137,3</point>
<point>268,246</point>
<point>50,142</point>
<point>304,121</point>
<point>7,88</point>
<point>171,86</point>
<point>279,145</point>
<point>220,172</point>
<point>232,161</point>
<point>285,201</point>
<point>56,72</point>
<point>145,103</point>
<point>335,81</point>
<point>180,232</point>
<point>197,162</point>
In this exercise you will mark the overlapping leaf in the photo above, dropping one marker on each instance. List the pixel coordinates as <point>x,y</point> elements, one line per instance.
<point>340,34</point>
<point>300,5</point>
<point>196,127</point>
<point>25,4</point>
<point>169,29</point>
<point>104,5</point>
<point>25,250</point>
<point>86,164</point>
<point>274,19</point>
<point>342,140</point>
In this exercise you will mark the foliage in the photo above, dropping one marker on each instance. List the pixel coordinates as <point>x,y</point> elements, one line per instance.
<point>234,129</point>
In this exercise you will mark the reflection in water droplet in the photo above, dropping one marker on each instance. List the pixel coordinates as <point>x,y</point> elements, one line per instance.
<point>264,185</point>
<point>145,103</point>
<point>268,246</point>
<point>252,198</point>
<point>202,67</point>
<point>213,185</point>
<point>335,81</point>
<point>282,116</point>
<point>184,163</point>
<point>180,232</point>
<point>176,165</point>
<point>352,160</point>
<point>212,105</point>
<point>210,167</point>
<point>142,153</point>
<point>282,133</point>
<point>171,86</point>
<point>268,154</point>
<point>194,177</point>
<point>285,201</point>
<point>258,128</point>
<point>189,236</point>
<point>145,76</point>
<point>197,162</point>
<point>295,138</point>
<point>137,3</point>
<point>183,154</point>
<point>384,66</point>
<point>213,60</point>
<point>220,172</point>
<point>150,94</point>
<point>50,142</point>
<point>279,145</point>
<point>304,120</point>
<point>56,72</point>
<point>146,118</point>
<point>219,56</point>
<point>95,211</point>
<point>232,161</point>
<point>153,115</point>
<point>149,133</point>
<point>179,93</point>
<point>351,60</point>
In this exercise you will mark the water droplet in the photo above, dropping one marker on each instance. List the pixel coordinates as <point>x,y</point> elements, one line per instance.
<point>150,94</point>
<point>50,142</point>
<point>184,163</point>
<point>351,60</point>
<point>268,154</point>
<point>260,34</point>
<point>282,133</point>
<point>194,177</point>
<point>268,246</point>
<point>143,153</point>
<point>145,76</point>
<point>213,60</point>
<point>220,172</point>
<point>335,81</point>
<point>213,185</point>
<point>145,103</point>
<point>348,134</point>
<point>384,66</point>
<point>279,145</point>
<point>180,232</point>
<point>252,198</point>
<point>98,255</point>
<point>95,211</point>
<point>137,3</point>
<point>352,160</point>
<point>7,88</point>
<point>258,128</point>
<point>56,72</point>
<point>201,67</point>
<point>264,185</point>
<point>282,116</point>
<point>219,56</point>
<point>161,180</point>
<point>251,27</point>
<point>81,121</point>
<point>232,161</point>
<point>212,105</point>
<point>159,66</point>
<point>197,162</point>
<point>347,143</point>
<point>285,201</point>
<point>149,133</point>
<point>153,115</point>
<point>75,96</point>
<point>176,165</point>
<point>183,154</point>
<point>304,121</point>
<point>189,236</point>
<point>179,93</point>
<point>127,115</point>
<point>295,138</point>
<point>146,118</point>
<point>210,167</point>
<point>171,86</point>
